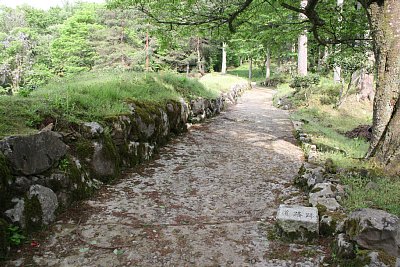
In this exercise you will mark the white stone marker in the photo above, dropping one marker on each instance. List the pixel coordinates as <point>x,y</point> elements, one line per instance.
<point>296,218</point>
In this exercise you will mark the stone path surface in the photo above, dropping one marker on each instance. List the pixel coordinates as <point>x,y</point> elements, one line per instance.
<point>209,199</point>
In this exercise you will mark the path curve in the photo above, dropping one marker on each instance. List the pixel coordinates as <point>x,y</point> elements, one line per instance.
<point>208,200</point>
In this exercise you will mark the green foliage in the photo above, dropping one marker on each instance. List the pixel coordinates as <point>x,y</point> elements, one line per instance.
<point>304,82</point>
<point>15,235</point>
<point>71,51</point>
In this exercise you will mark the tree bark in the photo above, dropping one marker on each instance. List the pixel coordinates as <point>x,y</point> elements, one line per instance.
<point>250,69</point>
<point>337,69</point>
<point>385,29</point>
<point>223,67</point>
<point>199,63</point>
<point>302,47</point>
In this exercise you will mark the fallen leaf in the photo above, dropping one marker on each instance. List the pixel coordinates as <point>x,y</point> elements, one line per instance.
<point>35,244</point>
<point>118,251</point>
<point>83,250</point>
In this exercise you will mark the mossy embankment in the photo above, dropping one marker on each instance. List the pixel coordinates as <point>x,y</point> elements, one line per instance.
<point>98,96</point>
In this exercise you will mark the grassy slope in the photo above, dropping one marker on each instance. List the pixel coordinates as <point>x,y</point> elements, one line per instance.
<point>95,96</point>
<point>327,126</point>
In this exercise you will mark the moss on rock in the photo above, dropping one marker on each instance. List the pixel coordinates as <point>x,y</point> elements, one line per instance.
<point>6,179</point>
<point>79,188</point>
<point>32,214</point>
<point>84,148</point>
<point>4,239</point>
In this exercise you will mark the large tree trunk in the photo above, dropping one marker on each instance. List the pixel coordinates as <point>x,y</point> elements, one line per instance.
<point>223,67</point>
<point>385,29</point>
<point>302,49</point>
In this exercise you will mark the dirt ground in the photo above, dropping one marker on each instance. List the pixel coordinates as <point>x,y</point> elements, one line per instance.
<point>209,199</point>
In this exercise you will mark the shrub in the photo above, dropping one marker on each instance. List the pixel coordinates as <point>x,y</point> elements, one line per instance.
<point>304,82</point>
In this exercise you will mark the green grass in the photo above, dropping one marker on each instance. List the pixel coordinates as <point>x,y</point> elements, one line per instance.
<point>258,74</point>
<point>385,195</point>
<point>282,90</point>
<point>220,83</point>
<point>96,96</point>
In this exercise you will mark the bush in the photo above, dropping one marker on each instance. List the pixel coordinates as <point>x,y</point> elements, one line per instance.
<point>304,82</point>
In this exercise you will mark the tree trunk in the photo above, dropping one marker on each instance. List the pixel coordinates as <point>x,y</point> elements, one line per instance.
<point>302,49</point>
<point>385,29</point>
<point>337,69</point>
<point>251,69</point>
<point>337,74</point>
<point>187,69</point>
<point>223,67</point>
<point>267,67</point>
<point>199,63</point>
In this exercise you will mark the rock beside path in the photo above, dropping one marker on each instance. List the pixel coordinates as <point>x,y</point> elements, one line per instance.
<point>33,154</point>
<point>298,222</point>
<point>375,229</point>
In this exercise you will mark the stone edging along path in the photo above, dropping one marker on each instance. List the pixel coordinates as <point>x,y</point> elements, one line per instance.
<point>44,173</point>
<point>374,231</point>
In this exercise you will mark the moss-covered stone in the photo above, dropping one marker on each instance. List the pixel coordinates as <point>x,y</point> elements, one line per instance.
<point>4,239</point>
<point>300,181</point>
<point>32,214</point>
<point>79,188</point>
<point>5,180</point>
<point>328,228</point>
<point>302,235</point>
<point>84,148</point>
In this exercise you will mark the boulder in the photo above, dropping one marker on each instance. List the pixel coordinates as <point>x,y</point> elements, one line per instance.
<point>198,106</point>
<point>103,163</point>
<point>33,154</point>
<point>375,229</point>
<point>48,202</point>
<point>298,222</point>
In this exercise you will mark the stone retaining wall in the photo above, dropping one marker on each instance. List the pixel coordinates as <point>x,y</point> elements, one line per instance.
<point>44,173</point>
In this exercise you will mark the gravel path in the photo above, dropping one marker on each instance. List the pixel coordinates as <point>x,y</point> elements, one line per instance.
<point>209,199</point>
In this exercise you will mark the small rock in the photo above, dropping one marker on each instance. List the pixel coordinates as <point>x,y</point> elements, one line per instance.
<point>372,186</point>
<point>16,214</point>
<point>92,129</point>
